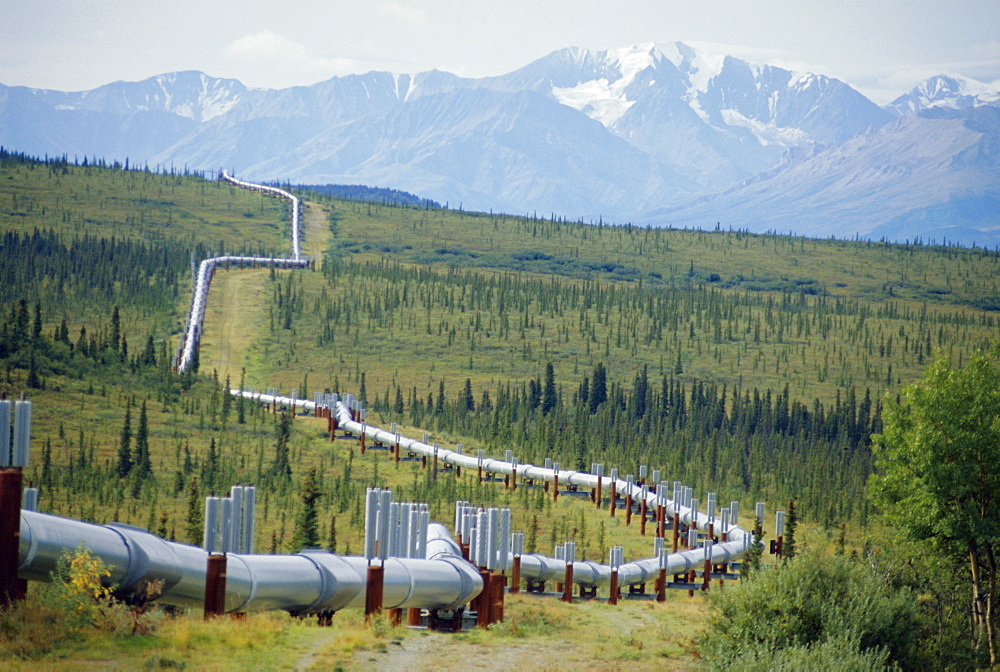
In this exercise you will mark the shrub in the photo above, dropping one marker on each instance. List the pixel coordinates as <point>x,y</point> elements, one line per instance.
<point>826,610</point>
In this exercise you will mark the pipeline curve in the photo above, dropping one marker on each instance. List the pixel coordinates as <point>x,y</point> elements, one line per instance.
<point>206,271</point>
<point>318,581</point>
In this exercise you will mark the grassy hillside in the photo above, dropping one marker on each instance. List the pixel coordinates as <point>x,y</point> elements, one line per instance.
<point>753,366</point>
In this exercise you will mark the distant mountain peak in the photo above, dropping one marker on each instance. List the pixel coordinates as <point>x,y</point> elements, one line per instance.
<point>946,91</point>
<point>605,98</point>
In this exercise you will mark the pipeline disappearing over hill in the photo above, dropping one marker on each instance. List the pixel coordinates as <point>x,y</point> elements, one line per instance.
<point>319,581</point>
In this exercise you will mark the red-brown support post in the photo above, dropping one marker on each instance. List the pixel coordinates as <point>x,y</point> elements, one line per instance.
<point>215,586</point>
<point>613,594</point>
<point>498,583</point>
<point>642,517</point>
<point>515,576</point>
<point>413,616</point>
<point>568,583</point>
<point>423,461</point>
<point>435,474</point>
<point>661,518</point>
<point>513,478</point>
<point>361,438</point>
<point>397,452</point>
<point>555,486</point>
<point>661,586</point>
<point>707,575</point>
<point>614,501</point>
<point>483,601</point>
<point>677,529</point>
<point>598,493</point>
<point>374,591</point>
<point>628,508</point>
<point>777,546</point>
<point>395,617</point>
<point>10,532</point>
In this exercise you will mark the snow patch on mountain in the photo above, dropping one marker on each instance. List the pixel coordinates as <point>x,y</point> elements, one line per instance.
<point>603,100</point>
<point>767,134</point>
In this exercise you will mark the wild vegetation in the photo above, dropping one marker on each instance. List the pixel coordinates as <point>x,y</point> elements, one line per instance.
<point>754,366</point>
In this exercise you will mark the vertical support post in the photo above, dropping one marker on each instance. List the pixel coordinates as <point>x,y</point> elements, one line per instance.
<point>483,601</point>
<point>569,554</point>
<point>515,576</point>
<point>215,585</point>
<point>498,582</point>
<point>642,517</point>
<point>677,528</point>
<point>395,617</point>
<point>10,531</point>
<point>613,595</point>
<point>555,481</point>
<point>599,472</point>
<point>413,616</point>
<point>567,595</point>
<point>374,591</point>
<point>614,491</point>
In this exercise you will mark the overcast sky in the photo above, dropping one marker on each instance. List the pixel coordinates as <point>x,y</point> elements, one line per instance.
<point>881,47</point>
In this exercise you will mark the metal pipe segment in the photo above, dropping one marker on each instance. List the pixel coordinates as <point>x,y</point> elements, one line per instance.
<point>307,582</point>
<point>539,567</point>
<point>206,269</point>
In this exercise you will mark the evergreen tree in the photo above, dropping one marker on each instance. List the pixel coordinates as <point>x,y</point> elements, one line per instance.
<point>752,557</point>
<point>549,397</point>
<point>210,467</point>
<point>788,547</point>
<point>33,381</point>
<point>125,462</point>
<point>241,414</point>
<point>143,465</point>
<point>194,530</point>
<point>598,393</point>
<point>467,402</point>
<point>36,327</point>
<point>281,468</point>
<point>116,330</point>
<point>306,525</point>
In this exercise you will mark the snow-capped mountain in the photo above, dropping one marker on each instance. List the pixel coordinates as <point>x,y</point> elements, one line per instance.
<point>948,92</point>
<point>934,175</point>
<point>581,133</point>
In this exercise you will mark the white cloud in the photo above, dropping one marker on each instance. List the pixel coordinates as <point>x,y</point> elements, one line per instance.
<point>396,10</point>
<point>265,46</point>
<point>285,62</point>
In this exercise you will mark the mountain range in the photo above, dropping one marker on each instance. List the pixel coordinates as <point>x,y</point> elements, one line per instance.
<point>659,135</point>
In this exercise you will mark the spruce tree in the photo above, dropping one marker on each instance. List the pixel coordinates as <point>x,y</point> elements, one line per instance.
<point>598,393</point>
<point>282,468</point>
<point>549,397</point>
<point>125,463</point>
<point>306,525</point>
<point>791,524</point>
<point>143,465</point>
<point>194,530</point>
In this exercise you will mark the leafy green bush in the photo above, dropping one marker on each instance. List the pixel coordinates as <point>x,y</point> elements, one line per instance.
<point>811,613</point>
